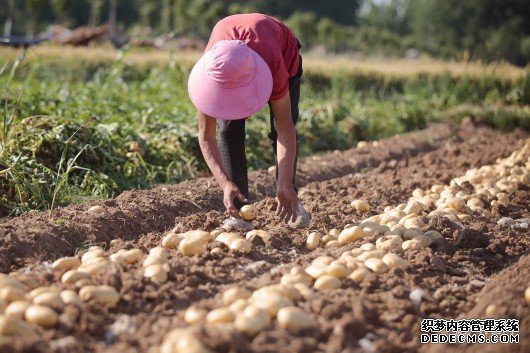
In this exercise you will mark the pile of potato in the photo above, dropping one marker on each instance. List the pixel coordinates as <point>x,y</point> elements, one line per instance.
<point>401,226</point>
<point>396,230</point>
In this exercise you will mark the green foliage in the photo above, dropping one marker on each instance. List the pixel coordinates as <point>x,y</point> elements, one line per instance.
<point>477,29</point>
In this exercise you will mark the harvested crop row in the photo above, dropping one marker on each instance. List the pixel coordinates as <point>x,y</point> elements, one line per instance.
<point>398,229</point>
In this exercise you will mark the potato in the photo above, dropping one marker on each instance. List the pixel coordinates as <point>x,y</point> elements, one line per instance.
<point>128,257</point>
<point>295,319</point>
<point>376,265</point>
<point>418,193</point>
<point>157,255</point>
<point>389,243</point>
<point>70,297</point>
<point>368,247</point>
<point>93,268</point>
<point>105,295</point>
<point>252,321</point>
<point>182,341</point>
<point>248,212</point>
<point>235,293</point>
<point>203,236</point>
<point>333,244</point>
<point>220,316</point>
<point>96,209</point>
<point>191,247</point>
<point>10,294</point>
<point>238,306</point>
<point>266,237</point>
<point>491,310</point>
<point>296,275</point>
<point>66,263</point>
<point>194,315</point>
<point>227,238</point>
<point>394,261</point>
<point>411,245</point>
<point>17,309</point>
<point>414,208</point>
<point>41,315</point>
<point>334,233</point>
<point>40,290</point>
<point>361,206</point>
<point>49,299</point>
<point>313,241</point>
<point>272,303</point>
<point>371,254</point>
<point>216,251</point>
<point>336,269</point>
<point>318,265</point>
<point>349,235</point>
<point>527,295</point>
<point>414,223</point>
<point>90,255</point>
<point>288,291</point>
<point>12,326</point>
<point>475,203</point>
<point>359,274</point>
<point>327,238</point>
<point>157,273</point>
<point>327,282</point>
<point>240,245</point>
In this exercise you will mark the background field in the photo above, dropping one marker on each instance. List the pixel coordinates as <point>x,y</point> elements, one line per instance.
<point>91,122</point>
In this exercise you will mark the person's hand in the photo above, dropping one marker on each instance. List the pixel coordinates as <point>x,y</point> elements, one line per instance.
<point>287,202</point>
<point>231,192</point>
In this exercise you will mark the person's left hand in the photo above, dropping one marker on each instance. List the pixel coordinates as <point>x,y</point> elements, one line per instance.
<point>287,202</point>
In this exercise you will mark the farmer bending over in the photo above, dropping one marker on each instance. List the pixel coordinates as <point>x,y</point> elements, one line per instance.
<point>250,59</point>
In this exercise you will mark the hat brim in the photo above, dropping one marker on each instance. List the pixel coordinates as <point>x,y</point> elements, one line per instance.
<point>230,103</point>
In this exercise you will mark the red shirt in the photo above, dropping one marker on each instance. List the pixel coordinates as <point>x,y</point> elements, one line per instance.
<point>268,37</point>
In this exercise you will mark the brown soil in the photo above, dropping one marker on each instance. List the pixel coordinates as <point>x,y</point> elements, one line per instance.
<point>479,264</point>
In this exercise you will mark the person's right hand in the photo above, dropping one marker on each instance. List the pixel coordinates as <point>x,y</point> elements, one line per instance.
<point>231,192</point>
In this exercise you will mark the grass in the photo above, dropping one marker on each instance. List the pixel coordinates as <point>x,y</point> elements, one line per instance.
<point>84,123</point>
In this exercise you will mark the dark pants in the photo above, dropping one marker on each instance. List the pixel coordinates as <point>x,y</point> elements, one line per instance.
<point>232,140</point>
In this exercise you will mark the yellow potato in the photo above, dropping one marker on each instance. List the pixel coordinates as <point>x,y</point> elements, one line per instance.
<point>49,299</point>
<point>235,293</point>
<point>12,326</point>
<point>272,303</point>
<point>313,241</point>
<point>194,315</point>
<point>10,294</point>
<point>359,274</point>
<point>66,263</point>
<point>327,282</point>
<point>105,295</point>
<point>220,316</point>
<point>376,265</point>
<point>248,212</point>
<point>17,309</point>
<point>192,247</point>
<point>41,315</point>
<point>349,235</point>
<point>295,319</point>
<point>361,206</point>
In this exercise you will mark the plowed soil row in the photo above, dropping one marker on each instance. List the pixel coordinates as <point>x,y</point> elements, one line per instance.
<point>456,279</point>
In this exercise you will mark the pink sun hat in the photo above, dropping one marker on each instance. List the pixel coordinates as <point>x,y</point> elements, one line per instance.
<point>230,81</point>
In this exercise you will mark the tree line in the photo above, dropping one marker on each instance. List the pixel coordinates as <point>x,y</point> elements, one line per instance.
<point>476,29</point>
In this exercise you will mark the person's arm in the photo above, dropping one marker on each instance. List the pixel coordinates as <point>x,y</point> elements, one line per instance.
<point>286,150</point>
<point>212,155</point>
